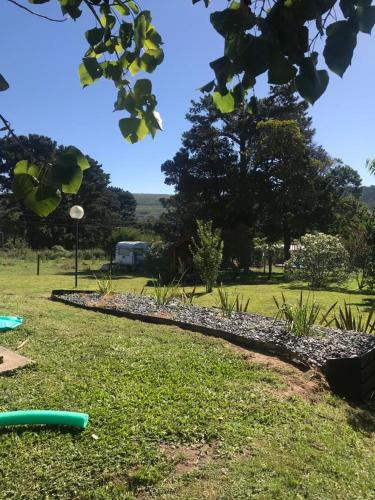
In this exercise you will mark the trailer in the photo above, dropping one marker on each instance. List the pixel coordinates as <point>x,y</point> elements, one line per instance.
<point>131,253</point>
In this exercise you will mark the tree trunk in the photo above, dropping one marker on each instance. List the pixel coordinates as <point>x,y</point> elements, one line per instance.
<point>287,242</point>
<point>270,259</point>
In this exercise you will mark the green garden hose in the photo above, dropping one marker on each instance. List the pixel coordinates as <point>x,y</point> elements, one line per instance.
<point>44,417</point>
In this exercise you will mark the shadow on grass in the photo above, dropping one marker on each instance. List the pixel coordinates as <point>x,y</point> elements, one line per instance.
<point>97,275</point>
<point>361,418</point>
<point>337,289</point>
<point>252,278</point>
<point>22,429</point>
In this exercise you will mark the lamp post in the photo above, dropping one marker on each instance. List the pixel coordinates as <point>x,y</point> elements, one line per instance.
<point>76,213</point>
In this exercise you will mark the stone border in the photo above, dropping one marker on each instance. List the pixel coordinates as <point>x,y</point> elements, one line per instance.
<point>352,378</point>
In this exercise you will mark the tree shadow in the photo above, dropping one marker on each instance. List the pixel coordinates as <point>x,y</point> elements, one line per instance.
<point>361,418</point>
<point>337,289</point>
<point>253,278</point>
<point>95,275</point>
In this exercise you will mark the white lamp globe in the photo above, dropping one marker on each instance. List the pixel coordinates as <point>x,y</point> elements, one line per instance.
<point>76,212</point>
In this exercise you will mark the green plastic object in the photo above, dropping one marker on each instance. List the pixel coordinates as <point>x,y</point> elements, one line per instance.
<point>10,322</point>
<point>44,417</point>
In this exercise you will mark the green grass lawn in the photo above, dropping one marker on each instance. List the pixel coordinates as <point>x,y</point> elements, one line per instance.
<point>173,414</point>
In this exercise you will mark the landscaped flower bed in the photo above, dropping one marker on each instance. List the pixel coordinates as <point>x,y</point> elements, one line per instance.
<point>346,358</point>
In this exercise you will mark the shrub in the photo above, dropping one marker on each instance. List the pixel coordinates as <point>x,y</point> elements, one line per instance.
<point>157,262</point>
<point>105,285</point>
<point>228,303</point>
<point>361,247</point>
<point>321,260</point>
<point>348,319</point>
<point>131,233</point>
<point>207,253</point>
<point>92,254</point>
<point>163,294</point>
<point>187,298</point>
<point>17,249</point>
<point>300,317</point>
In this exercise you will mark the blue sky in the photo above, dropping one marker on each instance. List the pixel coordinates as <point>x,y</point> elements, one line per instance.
<point>40,60</point>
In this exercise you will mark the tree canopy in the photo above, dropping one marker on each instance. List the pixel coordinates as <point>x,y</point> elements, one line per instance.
<point>255,174</point>
<point>281,38</point>
<point>106,207</point>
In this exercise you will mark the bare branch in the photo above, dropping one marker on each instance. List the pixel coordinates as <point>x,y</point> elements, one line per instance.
<point>35,13</point>
<point>8,127</point>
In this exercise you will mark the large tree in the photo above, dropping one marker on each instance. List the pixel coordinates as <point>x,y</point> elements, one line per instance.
<point>228,145</point>
<point>105,207</point>
<point>287,174</point>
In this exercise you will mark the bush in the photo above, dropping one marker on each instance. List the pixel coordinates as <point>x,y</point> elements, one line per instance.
<point>17,249</point>
<point>207,253</point>
<point>157,262</point>
<point>321,260</point>
<point>92,254</point>
<point>300,317</point>
<point>228,303</point>
<point>351,319</point>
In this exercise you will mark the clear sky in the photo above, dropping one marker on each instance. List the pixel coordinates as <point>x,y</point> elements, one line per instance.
<point>40,60</point>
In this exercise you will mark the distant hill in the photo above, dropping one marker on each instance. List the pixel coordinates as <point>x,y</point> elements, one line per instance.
<point>368,195</point>
<point>149,205</point>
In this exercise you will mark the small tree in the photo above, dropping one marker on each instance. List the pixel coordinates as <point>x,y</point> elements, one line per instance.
<point>361,248</point>
<point>207,253</point>
<point>321,260</point>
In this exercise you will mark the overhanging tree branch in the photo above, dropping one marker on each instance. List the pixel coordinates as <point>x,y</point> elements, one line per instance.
<point>7,127</point>
<point>36,13</point>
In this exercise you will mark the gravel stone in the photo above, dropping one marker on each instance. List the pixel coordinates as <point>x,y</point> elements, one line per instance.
<point>313,350</point>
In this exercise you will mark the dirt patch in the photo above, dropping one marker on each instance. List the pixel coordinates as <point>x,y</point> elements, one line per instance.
<point>10,361</point>
<point>310,384</point>
<point>187,458</point>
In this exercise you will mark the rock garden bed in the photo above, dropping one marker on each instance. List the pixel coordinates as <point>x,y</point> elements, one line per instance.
<point>347,359</point>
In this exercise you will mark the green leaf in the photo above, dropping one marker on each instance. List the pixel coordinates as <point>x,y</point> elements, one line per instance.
<point>133,129</point>
<point>141,24</point>
<point>22,185</point>
<point>366,18</point>
<point>151,59</point>
<point>112,70</point>
<point>126,35</point>
<point>136,66</point>
<point>310,83</point>
<point>209,87</point>
<point>281,71</point>
<point>255,56</point>
<point>142,87</point>
<point>71,7</point>
<point>223,71</point>
<point>43,200</point>
<point>94,36</point>
<point>72,156</point>
<point>24,167</point>
<point>108,21</point>
<point>340,44</point>
<point>89,71</point>
<point>153,39</point>
<point>224,103</point>
<point>72,180</point>
<point>121,8</point>
<point>4,85</point>
<point>40,199</point>
<point>232,20</point>
<point>120,101</point>
<point>133,6</point>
